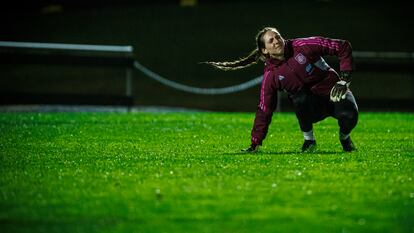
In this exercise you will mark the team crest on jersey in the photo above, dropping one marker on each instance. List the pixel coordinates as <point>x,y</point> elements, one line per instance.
<point>300,58</point>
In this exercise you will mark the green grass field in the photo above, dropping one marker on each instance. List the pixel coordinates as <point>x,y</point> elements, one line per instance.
<point>184,172</point>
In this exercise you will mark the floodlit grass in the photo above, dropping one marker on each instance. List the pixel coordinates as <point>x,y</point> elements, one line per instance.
<point>183,172</point>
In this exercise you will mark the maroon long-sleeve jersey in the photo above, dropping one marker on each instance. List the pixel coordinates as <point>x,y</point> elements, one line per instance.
<point>303,67</point>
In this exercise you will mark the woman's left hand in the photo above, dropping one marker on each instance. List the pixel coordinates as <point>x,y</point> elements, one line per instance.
<point>338,91</point>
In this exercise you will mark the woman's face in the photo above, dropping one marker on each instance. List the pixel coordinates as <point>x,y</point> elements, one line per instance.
<point>274,44</point>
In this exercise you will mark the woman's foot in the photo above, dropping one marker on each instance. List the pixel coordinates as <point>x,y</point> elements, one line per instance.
<point>309,146</point>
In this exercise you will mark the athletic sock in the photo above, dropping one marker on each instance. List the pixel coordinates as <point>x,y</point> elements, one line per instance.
<point>343,136</point>
<point>309,135</point>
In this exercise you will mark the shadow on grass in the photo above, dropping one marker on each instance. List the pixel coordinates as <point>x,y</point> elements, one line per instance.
<point>286,153</point>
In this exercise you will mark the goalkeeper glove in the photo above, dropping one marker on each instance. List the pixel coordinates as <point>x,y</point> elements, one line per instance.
<point>251,149</point>
<point>339,90</point>
<point>345,76</point>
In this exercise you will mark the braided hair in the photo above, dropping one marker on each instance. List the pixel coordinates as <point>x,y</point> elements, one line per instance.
<point>250,59</point>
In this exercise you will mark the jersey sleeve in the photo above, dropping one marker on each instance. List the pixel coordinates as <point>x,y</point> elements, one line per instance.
<point>264,113</point>
<point>322,46</point>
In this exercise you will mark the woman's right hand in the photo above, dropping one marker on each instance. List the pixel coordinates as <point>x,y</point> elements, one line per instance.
<point>251,149</point>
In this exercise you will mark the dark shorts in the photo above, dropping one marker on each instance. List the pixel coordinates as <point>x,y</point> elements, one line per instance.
<point>311,108</point>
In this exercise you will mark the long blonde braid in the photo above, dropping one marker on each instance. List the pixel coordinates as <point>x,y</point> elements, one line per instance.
<point>250,59</point>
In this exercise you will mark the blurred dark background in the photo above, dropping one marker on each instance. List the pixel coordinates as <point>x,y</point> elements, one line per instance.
<point>172,37</point>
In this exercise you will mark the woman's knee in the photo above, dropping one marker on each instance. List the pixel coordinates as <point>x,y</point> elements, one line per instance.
<point>348,117</point>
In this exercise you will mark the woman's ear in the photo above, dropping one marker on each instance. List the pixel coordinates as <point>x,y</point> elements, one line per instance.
<point>264,51</point>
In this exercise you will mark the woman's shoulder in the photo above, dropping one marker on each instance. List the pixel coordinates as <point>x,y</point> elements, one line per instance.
<point>300,42</point>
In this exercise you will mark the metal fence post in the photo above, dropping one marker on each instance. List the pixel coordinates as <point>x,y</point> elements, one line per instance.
<point>128,85</point>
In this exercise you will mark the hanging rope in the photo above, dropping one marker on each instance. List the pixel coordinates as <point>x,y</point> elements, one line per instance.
<point>197,90</point>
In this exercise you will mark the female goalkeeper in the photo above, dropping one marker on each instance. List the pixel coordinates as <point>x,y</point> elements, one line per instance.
<point>314,88</point>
